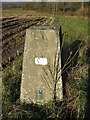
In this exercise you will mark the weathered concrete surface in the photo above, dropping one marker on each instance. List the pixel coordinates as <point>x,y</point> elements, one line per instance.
<point>37,82</point>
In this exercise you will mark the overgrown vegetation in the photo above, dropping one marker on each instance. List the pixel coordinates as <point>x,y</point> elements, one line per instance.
<point>75,79</point>
<point>73,105</point>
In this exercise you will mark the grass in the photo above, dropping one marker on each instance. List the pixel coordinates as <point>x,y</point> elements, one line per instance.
<point>76,27</point>
<point>74,103</point>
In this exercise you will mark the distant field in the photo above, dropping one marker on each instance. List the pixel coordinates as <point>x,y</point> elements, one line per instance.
<point>16,12</point>
<point>15,22</point>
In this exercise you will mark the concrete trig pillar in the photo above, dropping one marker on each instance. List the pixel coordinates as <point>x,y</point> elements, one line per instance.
<point>37,83</point>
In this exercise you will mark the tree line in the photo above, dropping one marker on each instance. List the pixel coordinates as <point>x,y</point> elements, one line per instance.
<point>45,6</point>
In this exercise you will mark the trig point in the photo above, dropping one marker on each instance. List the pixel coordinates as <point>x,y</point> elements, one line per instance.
<point>37,83</point>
